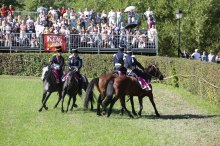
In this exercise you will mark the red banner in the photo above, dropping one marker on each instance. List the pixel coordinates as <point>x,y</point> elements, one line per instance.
<point>51,41</point>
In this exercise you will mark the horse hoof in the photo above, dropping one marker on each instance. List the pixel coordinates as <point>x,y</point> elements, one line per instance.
<point>134,113</point>
<point>158,115</point>
<point>46,108</point>
<point>40,110</point>
<point>98,114</point>
<point>131,116</point>
<point>62,111</point>
<point>139,114</point>
<point>75,105</point>
<point>54,107</point>
<point>103,113</point>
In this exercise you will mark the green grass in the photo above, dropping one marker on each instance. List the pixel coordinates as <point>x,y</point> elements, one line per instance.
<point>182,122</point>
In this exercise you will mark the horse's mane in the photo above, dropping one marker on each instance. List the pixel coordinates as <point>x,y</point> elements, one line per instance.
<point>146,70</point>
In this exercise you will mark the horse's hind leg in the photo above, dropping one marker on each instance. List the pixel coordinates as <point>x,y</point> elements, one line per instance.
<point>111,105</point>
<point>44,102</point>
<point>132,105</point>
<point>59,99</point>
<point>105,103</point>
<point>122,100</point>
<point>151,97</point>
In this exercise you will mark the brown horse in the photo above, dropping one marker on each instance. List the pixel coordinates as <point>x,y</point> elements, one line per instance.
<point>130,86</point>
<point>101,84</point>
<point>104,84</point>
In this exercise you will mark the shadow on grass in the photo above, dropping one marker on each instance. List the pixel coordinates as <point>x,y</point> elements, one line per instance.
<point>177,117</point>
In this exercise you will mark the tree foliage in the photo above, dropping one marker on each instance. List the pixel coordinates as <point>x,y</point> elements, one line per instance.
<point>199,27</point>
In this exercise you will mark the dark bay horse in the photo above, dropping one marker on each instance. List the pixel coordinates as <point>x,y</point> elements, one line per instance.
<point>130,86</point>
<point>71,87</point>
<point>49,86</point>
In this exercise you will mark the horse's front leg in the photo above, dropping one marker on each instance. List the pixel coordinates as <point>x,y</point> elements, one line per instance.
<point>111,105</point>
<point>122,100</point>
<point>63,96</point>
<point>140,99</point>
<point>151,97</point>
<point>68,103</point>
<point>44,102</point>
<point>44,96</point>
<point>59,99</point>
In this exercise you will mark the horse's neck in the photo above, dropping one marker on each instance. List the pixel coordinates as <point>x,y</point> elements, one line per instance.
<point>71,78</point>
<point>149,75</point>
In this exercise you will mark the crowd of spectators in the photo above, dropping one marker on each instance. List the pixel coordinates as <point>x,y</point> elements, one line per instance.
<point>85,28</point>
<point>211,57</point>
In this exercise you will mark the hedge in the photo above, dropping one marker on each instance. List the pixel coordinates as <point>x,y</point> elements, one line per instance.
<point>198,77</point>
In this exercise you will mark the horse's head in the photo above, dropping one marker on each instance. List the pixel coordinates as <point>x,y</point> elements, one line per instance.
<point>45,72</point>
<point>154,71</point>
<point>73,69</point>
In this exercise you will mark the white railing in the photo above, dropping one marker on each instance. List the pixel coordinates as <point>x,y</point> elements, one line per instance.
<point>29,42</point>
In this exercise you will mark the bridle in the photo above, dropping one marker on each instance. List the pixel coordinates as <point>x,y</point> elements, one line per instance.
<point>157,72</point>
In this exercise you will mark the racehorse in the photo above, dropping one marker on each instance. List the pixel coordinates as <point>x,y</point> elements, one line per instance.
<point>101,84</point>
<point>49,86</point>
<point>105,83</point>
<point>71,87</point>
<point>130,86</point>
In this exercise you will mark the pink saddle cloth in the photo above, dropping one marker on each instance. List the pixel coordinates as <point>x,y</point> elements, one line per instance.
<point>143,83</point>
<point>55,72</point>
<point>65,76</point>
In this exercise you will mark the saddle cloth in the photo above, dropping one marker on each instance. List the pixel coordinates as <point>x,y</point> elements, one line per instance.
<point>144,85</point>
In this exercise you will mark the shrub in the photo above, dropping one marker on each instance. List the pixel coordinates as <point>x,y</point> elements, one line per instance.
<point>200,78</point>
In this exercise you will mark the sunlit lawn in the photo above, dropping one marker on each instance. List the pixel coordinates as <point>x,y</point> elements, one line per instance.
<point>22,124</point>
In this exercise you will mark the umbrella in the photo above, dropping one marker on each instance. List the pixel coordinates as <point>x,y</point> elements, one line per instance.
<point>41,9</point>
<point>129,8</point>
<point>131,25</point>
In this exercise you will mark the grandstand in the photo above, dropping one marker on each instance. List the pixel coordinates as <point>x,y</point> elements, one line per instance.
<point>88,31</point>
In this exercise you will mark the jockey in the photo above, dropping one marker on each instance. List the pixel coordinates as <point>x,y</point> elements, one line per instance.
<point>131,62</point>
<point>76,61</point>
<point>57,62</point>
<point>118,58</point>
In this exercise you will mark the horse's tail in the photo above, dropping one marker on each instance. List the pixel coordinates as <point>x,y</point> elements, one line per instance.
<point>89,91</point>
